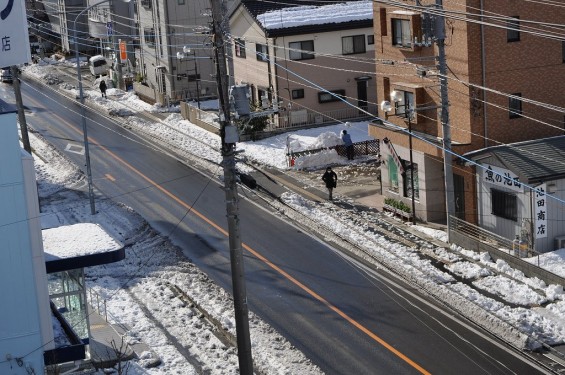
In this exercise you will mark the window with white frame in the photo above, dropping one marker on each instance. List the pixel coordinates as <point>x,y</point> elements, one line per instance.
<point>401,34</point>
<point>300,50</point>
<point>353,44</point>
<point>262,52</point>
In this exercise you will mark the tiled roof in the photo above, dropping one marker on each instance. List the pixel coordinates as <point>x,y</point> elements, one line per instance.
<point>537,160</point>
<point>259,7</point>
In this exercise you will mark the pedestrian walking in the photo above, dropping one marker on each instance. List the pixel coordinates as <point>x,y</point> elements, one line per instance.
<point>103,88</point>
<point>346,138</point>
<point>330,178</point>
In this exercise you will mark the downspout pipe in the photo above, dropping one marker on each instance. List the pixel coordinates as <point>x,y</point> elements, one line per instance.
<point>484,74</point>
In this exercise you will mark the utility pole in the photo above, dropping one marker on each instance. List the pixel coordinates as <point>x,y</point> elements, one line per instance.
<point>220,26</point>
<point>20,105</point>
<point>442,68</point>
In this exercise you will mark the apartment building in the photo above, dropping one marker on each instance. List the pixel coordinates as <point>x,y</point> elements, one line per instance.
<point>174,56</point>
<point>297,54</point>
<point>506,54</point>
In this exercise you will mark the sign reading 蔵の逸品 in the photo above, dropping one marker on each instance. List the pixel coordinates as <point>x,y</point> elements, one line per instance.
<point>14,39</point>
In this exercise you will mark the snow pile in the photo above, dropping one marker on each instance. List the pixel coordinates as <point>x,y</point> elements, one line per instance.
<point>317,15</point>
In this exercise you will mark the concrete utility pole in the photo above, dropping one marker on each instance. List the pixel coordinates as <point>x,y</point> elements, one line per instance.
<point>20,105</point>
<point>442,68</point>
<point>220,26</point>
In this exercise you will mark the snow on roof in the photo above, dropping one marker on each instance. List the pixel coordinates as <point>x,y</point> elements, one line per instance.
<point>75,240</point>
<point>316,15</point>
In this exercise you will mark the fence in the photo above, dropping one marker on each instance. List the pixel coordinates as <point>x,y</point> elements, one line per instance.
<point>301,118</point>
<point>475,238</point>
<point>199,117</point>
<point>370,147</point>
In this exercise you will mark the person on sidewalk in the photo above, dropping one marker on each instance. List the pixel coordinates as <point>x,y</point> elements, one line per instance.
<point>330,178</point>
<point>346,138</point>
<point>103,88</point>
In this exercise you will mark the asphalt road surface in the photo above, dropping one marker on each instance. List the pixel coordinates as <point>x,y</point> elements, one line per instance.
<point>346,318</point>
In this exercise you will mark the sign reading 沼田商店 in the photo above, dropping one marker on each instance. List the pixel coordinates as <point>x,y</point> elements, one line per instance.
<point>501,177</point>
<point>14,39</point>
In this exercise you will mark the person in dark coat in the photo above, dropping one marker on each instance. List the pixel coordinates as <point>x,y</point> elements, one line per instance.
<point>346,138</point>
<point>330,178</point>
<point>103,88</point>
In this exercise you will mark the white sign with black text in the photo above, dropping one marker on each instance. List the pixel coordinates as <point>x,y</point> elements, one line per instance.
<point>14,39</point>
<point>540,204</point>
<point>501,177</point>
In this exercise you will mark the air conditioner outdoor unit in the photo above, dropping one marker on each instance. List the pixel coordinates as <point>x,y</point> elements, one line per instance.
<point>559,242</point>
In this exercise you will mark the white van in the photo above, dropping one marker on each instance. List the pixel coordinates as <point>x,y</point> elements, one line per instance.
<point>98,65</point>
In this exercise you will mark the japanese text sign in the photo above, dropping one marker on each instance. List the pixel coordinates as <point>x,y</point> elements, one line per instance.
<point>540,206</point>
<point>14,39</point>
<point>501,177</point>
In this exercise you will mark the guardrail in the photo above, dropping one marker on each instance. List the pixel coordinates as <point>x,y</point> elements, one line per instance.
<point>475,238</point>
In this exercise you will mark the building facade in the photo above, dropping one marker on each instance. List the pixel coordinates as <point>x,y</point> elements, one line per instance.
<point>174,58</point>
<point>316,72</point>
<point>517,68</point>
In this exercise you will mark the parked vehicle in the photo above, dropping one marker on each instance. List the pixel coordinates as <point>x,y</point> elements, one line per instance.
<point>98,65</point>
<point>6,75</point>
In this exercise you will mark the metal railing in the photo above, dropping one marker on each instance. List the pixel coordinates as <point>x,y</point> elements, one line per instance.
<point>369,147</point>
<point>304,117</point>
<point>475,238</point>
<point>98,303</point>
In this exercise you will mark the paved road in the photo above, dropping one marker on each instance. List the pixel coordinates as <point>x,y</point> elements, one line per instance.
<point>345,318</point>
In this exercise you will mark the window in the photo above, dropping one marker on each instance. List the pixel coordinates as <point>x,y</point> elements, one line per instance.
<point>149,36</point>
<point>146,3</point>
<point>392,174</point>
<point>408,183</point>
<point>353,44</point>
<point>297,50</point>
<point>513,30</point>
<point>262,52</point>
<point>401,35</point>
<point>370,39</point>
<point>407,102</point>
<point>240,48</point>
<point>515,106</point>
<point>298,94</point>
<point>181,2</point>
<point>504,204</point>
<point>331,96</point>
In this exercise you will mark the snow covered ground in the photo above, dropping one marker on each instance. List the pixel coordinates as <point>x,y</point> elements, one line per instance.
<point>527,305</point>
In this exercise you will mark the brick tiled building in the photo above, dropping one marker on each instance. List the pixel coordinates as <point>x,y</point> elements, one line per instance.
<point>506,61</point>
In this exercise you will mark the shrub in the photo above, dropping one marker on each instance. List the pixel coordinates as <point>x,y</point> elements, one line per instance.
<point>399,205</point>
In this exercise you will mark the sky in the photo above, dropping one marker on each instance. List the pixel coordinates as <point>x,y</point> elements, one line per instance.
<point>152,263</point>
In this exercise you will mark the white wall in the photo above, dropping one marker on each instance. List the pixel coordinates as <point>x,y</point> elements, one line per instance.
<point>20,333</point>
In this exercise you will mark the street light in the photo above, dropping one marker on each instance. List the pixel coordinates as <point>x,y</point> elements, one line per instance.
<point>408,113</point>
<point>181,55</point>
<point>82,111</point>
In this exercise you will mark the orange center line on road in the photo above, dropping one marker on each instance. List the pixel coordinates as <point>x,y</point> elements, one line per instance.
<point>109,177</point>
<point>265,260</point>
